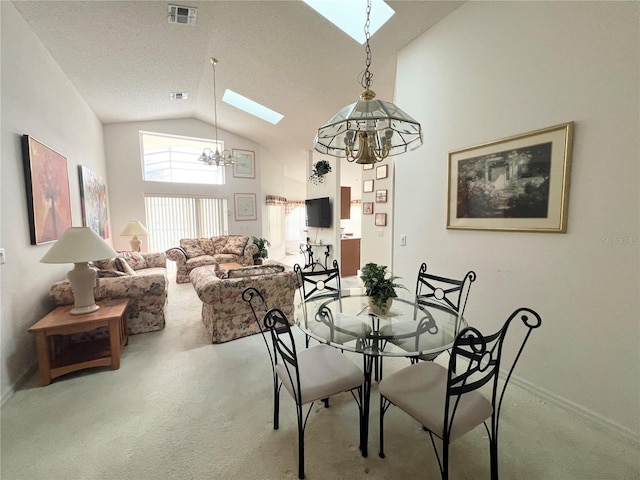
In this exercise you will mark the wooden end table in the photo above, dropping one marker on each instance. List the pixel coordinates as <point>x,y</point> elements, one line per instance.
<point>56,360</point>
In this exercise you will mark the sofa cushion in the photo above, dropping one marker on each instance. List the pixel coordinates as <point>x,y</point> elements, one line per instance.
<point>134,259</point>
<point>108,264</point>
<point>192,247</point>
<point>235,245</point>
<point>219,243</point>
<point>255,270</point>
<point>123,266</point>
<point>207,246</point>
<point>110,273</point>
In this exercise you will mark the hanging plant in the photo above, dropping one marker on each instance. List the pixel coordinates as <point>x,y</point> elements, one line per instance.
<point>320,169</point>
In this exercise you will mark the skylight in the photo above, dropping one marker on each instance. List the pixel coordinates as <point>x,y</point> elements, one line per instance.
<point>349,16</point>
<point>249,106</point>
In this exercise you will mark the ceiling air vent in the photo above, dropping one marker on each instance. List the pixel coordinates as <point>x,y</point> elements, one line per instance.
<point>178,95</point>
<point>185,15</point>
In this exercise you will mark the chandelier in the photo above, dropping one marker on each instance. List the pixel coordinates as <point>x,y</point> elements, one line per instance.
<point>209,157</point>
<point>369,130</point>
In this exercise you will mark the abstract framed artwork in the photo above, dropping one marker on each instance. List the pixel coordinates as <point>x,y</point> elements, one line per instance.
<point>382,171</point>
<point>367,208</point>
<point>245,164</point>
<point>367,166</point>
<point>93,199</point>
<point>381,196</point>
<point>381,219</point>
<point>47,185</point>
<point>520,183</point>
<point>367,186</point>
<point>245,206</point>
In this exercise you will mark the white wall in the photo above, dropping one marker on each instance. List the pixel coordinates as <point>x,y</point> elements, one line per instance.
<point>495,69</point>
<point>38,100</point>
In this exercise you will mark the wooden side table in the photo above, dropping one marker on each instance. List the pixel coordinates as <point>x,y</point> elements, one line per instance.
<point>56,360</point>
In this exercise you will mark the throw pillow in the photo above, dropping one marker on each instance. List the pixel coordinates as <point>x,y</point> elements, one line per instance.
<point>207,246</point>
<point>255,270</point>
<point>219,243</point>
<point>108,264</point>
<point>191,247</point>
<point>235,244</point>
<point>134,259</point>
<point>124,266</point>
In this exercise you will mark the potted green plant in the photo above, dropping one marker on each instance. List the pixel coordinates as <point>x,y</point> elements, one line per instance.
<point>320,169</point>
<point>379,286</point>
<point>262,244</point>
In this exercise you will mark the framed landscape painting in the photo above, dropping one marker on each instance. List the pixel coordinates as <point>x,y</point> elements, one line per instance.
<point>520,183</point>
<point>47,185</point>
<point>93,199</point>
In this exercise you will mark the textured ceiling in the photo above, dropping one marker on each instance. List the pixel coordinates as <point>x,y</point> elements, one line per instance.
<point>125,58</point>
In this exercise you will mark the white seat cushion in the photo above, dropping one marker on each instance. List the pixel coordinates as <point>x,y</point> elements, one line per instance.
<point>420,391</point>
<point>324,372</point>
<point>426,341</point>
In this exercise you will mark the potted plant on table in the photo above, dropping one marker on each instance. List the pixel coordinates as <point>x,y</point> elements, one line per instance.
<point>262,244</point>
<point>379,286</point>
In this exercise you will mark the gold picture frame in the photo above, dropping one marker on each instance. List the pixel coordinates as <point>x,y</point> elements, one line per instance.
<point>519,183</point>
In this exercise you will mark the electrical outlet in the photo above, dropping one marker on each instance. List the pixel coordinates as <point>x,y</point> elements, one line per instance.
<point>2,258</point>
<point>403,240</point>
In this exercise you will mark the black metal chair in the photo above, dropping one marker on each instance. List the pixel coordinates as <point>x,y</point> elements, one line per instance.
<point>326,285</point>
<point>448,404</point>
<point>312,374</point>
<point>433,291</point>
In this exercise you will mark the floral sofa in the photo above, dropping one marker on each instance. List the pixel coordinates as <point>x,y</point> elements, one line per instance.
<point>198,252</point>
<point>225,315</point>
<point>140,277</point>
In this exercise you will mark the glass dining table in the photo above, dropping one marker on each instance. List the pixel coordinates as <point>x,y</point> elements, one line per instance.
<point>407,329</point>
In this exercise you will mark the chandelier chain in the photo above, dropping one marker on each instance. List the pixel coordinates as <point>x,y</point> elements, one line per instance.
<point>215,102</point>
<point>366,76</point>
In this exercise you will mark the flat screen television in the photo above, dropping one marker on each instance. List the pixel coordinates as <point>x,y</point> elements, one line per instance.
<point>318,212</point>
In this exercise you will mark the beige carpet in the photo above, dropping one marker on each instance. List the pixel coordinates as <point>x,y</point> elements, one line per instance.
<point>181,408</point>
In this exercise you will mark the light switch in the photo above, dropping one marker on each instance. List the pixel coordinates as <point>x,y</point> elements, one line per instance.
<point>380,232</point>
<point>2,259</point>
<point>403,240</point>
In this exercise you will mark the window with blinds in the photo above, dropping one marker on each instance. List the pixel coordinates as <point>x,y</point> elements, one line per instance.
<point>171,218</point>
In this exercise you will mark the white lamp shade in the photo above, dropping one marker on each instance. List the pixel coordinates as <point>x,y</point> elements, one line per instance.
<point>134,227</point>
<point>78,244</point>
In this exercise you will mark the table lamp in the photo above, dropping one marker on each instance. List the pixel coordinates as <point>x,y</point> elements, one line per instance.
<point>80,245</point>
<point>135,228</point>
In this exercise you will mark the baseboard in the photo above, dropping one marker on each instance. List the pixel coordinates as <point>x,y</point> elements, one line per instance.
<point>22,380</point>
<point>576,408</point>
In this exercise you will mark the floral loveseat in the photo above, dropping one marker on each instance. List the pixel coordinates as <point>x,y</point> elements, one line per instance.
<point>225,315</point>
<point>140,277</point>
<point>198,252</point>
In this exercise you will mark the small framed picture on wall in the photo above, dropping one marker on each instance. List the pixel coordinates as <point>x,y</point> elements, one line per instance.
<point>367,166</point>
<point>367,208</point>
<point>381,196</point>
<point>382,171</point>
<point>367,186</point>
<point>381,219</point>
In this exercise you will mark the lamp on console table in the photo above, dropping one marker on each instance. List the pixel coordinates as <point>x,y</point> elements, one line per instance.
<point>80,245</point>
<point>135,228</point>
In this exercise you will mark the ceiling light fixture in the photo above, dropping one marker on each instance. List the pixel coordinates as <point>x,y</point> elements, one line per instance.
<point>369,130</point>
<point>209,157</point>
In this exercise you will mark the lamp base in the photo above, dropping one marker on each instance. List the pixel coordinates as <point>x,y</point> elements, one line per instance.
<point>81,310</point>
<point>82,280</point>
<point>135,244</point>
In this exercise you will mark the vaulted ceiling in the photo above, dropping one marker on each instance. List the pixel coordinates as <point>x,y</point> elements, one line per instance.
<point>125,58</point>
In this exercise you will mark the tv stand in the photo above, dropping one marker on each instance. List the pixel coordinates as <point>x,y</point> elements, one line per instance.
<point>307,250</point>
